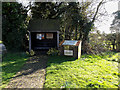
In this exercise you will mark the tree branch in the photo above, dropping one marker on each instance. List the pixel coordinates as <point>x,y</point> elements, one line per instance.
<point>97,11</point>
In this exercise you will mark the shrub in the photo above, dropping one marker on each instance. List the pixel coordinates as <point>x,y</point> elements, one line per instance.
<point>98,43</point>
<point>32,53</point>
<point>53,52</point>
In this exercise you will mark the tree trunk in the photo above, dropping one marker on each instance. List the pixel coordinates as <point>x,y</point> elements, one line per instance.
<point>118,42</point>
<point>76,32</point>
<point>113,44</point>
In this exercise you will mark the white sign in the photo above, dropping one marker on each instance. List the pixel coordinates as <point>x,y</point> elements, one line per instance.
<point>68,52</point>
<point>40,36</point>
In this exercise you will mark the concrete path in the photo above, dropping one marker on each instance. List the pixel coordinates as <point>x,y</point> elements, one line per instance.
<point>32,74</point>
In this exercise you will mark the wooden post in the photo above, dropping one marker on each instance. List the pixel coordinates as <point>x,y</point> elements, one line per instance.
<point>61,50</point>
<point>57,39</point>
<point>79,50</point>
<point>0,20</point>
<point>75,52</point>
<point>29,41</point>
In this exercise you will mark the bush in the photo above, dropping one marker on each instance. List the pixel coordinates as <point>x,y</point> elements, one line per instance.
<point>32,53</point>
<point>98,43</point>
<point>53,52</point>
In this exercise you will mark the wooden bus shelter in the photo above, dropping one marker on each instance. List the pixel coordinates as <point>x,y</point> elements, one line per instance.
<point>43,34</point>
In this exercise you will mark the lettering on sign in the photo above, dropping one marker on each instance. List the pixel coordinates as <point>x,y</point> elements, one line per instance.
<point>68,52</point>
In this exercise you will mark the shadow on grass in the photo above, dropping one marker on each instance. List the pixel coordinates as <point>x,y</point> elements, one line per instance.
<point>11,64</point>
<point>32,65</point>
<point>19,64</point>
<point>59,59</point>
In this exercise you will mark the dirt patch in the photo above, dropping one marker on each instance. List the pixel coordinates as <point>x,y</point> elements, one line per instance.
<point>32,75</point>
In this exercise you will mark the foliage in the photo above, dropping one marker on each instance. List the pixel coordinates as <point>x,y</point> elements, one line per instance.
<point>101,42</point>
<point>91,71</point>
<point>44,10</point>
<point>11,64</point>
<point>14,25</point>
<point>111,41</point>
<point>32,53</point>
<point>75,21</point>
<point>98,42</point>
<point>115,29</point>
<point>53,52</point>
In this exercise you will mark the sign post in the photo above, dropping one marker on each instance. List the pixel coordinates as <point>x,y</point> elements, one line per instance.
<point>71,48</point>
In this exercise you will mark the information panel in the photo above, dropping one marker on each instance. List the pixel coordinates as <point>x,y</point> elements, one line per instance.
<point>70,42</point>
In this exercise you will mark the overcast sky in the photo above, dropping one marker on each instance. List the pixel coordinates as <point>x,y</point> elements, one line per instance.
<point>107,20</point>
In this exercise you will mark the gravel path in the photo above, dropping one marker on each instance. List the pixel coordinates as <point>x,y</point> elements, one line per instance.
<point>32,74</point>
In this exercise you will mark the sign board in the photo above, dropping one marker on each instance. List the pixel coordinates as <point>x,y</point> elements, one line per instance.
<point>70,42</point>
<point>49,35</point>
<point>68,52</point>
<point>71,48</point>
<point>40,36</point>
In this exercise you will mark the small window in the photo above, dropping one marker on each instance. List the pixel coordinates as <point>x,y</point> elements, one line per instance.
<point>40,36</point>
<point>49,35</point>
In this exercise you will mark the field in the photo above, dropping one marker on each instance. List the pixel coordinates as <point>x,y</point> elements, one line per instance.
<point>91,71</point>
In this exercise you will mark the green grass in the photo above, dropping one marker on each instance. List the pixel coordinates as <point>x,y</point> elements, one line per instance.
<point>11,64</point>
<point>0,42</point>
<point>91,71</point>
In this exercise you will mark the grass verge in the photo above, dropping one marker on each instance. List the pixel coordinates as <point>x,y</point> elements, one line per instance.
<point>91,71</point>
<point>11,64</point>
